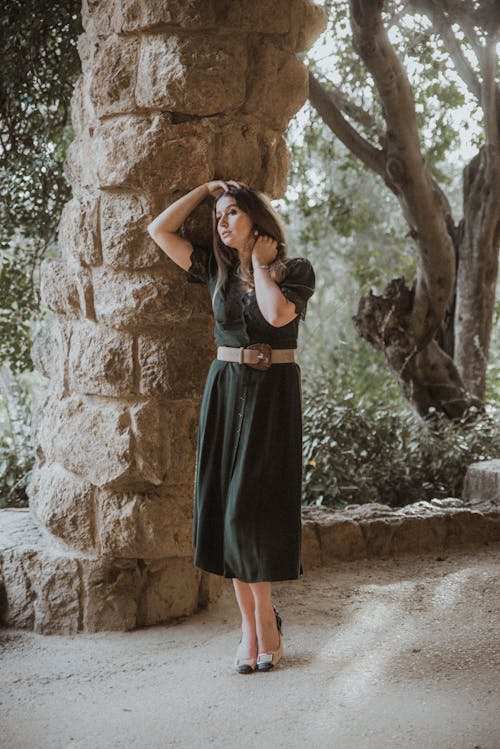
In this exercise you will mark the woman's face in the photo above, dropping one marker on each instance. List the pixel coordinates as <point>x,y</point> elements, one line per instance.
<point>234,226</point>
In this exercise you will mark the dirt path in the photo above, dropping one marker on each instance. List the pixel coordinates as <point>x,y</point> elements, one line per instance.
<point>379,655</point>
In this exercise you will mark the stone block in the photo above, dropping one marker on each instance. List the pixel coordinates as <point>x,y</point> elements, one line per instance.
<point>101,361</point>
<point>341,539</point>
<point>143,299</point>
<point>238,152</point>
<point>114,76</point>
<point>482,482</point>
<point>153,359</point>
<point>308,21</point>
<point>276,159</point>
<point>378,535</point>
<point>277,86</point>
<point>147,427</point>
<point>57,584</point>
<point>49,352</point>
<point>169,592</point>
<point>109,592</point>
<point>126,243</point>
<point>211,587</point>
<point>259,16</point>
<point>78,103</point>
<point>79,240</point>
<point>96,17</point>
<point>471,527</point>
<point>58,288</point>
<point>18,595</point>
<point>198,75</point>
<point>176,363</point>
<point>244,152</point>
<point>83,278</point>
<point>66,291</point>
<point>141,15</point>
<point>150,525</point>
<point>91,438</point>
<point>147,154</point>
<point>79,169</point>
<point>179,417</point>
<point>64,505</point>
<point>41,587</point>
<point>419,534</point>
<point>311,549</point>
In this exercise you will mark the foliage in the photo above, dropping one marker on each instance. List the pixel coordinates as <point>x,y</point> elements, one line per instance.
<point>358,450</point>
<point>16,455</point>
<point>14,476</point>
<point>19,305</point>
<point>40,65</point>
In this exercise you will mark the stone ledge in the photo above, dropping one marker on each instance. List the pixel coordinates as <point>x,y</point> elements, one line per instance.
<point>55,592</point>
<point>377,530</point>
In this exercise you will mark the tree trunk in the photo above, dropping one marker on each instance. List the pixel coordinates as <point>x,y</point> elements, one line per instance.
<point>477,272</point>
<point>427,377</point>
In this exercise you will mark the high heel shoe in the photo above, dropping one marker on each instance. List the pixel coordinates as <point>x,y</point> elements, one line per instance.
<point>267,661</point>
<point>245,665</point>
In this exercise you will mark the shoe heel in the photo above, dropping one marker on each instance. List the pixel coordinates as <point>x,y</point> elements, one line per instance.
<point>267,661</point>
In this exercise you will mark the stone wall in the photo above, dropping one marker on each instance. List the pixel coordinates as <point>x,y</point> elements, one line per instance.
<point>173,93</point>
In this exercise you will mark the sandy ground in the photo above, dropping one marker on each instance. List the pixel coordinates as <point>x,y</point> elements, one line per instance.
<point>389,654</point>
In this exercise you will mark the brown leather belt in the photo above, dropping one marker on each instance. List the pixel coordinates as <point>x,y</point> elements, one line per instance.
<point>257,355</point>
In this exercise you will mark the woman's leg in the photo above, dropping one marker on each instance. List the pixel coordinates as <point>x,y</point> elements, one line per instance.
<point>246,603</point>
<point>265,619</point>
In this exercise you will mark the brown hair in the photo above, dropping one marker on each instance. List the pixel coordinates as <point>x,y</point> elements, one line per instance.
<point>265,221</point>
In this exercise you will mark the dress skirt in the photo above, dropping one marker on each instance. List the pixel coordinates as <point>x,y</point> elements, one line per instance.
<point>247,514</point>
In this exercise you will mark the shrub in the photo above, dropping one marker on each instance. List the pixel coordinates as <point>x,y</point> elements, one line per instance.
<point>359,451</point>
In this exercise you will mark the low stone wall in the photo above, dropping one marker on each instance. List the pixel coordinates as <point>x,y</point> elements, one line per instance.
<point>377,530</point>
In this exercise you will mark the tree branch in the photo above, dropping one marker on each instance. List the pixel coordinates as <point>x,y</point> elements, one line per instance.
<point>355,112</point>
<point>490,97</point>
<point>324,103</point>
<point>442,25</point>
<point>406,168</point>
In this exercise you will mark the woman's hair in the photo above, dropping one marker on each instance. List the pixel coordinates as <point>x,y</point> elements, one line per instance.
<point>265,221</point>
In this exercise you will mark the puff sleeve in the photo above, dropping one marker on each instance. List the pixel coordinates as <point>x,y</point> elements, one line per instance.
<point>299,284</point>
<point>202,262</point>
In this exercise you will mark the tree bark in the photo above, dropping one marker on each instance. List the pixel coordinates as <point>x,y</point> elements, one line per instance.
<point>477,270</point>
<point>427,377</point>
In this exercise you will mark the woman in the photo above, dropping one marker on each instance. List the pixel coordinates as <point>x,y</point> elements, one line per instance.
<point>249,456</point>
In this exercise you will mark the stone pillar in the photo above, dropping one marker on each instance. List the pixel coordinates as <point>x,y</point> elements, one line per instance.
<point>173,93</point>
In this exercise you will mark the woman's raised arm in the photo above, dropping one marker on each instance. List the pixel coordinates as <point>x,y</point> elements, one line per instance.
<point>164,228</point>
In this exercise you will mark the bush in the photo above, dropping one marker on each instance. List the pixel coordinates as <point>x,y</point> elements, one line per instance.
<point>359,451</point>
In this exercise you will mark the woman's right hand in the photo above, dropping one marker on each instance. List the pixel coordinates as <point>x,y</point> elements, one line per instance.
<point>220,185</point>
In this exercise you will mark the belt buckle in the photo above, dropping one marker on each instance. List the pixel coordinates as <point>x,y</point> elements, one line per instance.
<point>264,355</point>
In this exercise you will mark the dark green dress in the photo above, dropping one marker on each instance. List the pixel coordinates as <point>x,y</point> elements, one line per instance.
<point>247,519</point>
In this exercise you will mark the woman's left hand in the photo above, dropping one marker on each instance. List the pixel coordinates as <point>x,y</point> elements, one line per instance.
<point>264,251</point>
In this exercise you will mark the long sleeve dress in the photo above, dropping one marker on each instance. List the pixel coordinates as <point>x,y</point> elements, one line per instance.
<point>247,503</point>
